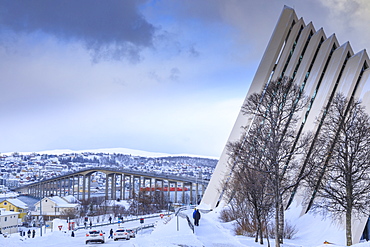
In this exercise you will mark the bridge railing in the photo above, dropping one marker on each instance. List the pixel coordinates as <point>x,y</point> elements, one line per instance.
<point>126,220</point>
<point>182,215</point>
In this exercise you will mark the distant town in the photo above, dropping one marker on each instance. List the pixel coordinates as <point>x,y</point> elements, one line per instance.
<point>23,213</point>
<point>21,169</point>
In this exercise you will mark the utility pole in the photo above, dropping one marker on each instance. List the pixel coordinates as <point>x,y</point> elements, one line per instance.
<point>40,218</point>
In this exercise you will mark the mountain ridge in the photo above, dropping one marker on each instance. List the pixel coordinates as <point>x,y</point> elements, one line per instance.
<point>126,151</point>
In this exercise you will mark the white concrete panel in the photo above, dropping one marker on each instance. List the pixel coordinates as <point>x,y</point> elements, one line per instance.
<point>327,85</point>
<point>273,49</point>
<point>299,49</point>
<point>306,63</point>
<point>351,73</point>
<point>317,70</point>
<point>362,93</point>
<point>290,44</point>
<point>309,55</point>
<point>358,226</point>
<point>363,90</point>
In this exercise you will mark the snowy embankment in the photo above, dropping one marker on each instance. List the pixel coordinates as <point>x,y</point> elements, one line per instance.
<point>176,232</point>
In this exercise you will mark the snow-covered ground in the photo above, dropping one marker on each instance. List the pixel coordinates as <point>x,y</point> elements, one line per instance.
<point>176,232</point>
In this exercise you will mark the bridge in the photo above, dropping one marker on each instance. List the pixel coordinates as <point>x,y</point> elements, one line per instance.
<point>78,184</point>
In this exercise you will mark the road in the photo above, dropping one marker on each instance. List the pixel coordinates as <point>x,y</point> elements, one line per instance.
<point>63,238</point>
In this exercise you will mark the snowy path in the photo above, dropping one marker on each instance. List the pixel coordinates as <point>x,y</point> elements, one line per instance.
<point>212,234</point>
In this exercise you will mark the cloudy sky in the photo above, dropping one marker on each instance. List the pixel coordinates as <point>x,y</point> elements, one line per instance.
<point>159,75</point>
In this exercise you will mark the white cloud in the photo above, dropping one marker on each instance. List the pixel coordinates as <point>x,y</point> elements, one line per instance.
<point>182,97</point>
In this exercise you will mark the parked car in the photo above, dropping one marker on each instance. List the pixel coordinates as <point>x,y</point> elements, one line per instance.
<point>95,236</point>
<point>121,234</point>
<point>131,233</point>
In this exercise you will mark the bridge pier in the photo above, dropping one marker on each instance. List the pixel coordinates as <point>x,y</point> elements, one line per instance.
<point>121,189</point>
<point>73,185</point>
<point>176,186</point>
<point>83,187</point>
<point>113,187</point>
<point>88,186</point>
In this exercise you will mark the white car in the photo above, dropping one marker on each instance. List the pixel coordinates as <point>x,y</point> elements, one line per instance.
<point>131,233</point>
<point>95,236</point>
<point>121,234</point>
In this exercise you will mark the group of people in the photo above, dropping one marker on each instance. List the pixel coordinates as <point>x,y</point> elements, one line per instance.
<point>85,224</point>
<point>29,232</point>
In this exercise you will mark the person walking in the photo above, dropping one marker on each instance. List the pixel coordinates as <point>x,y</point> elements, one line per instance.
<point>33,233</point>
<point>196,216</point>
<point>110,219</point>
<point>90,224</point>
<point>111,233</point>
<point>29,233</point>
<point>72,234</point>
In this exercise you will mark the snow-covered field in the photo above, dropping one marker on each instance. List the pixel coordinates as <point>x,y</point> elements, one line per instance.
<point>176,232</point>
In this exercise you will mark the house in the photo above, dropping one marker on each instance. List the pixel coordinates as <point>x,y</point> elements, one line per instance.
<point>53,207</point>
<point>14,205</point>
<point>8,221</point>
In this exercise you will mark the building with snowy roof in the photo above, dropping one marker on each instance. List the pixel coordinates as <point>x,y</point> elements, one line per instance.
<point>53,207</point>
<point>8,221</point>
<point>14,205</point>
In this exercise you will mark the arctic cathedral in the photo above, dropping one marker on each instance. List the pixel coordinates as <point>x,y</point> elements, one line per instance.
<point>320,64</point>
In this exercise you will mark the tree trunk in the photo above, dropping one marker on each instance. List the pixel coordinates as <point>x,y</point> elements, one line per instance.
<point>257,233</point>
<point>281,221</point>
<point>277,243</point>
<point>267,234</point>
<point>349,226</point>
<point>260,228</point>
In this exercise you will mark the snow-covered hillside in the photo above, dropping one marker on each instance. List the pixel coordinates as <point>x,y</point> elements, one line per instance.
<point>18,169</point>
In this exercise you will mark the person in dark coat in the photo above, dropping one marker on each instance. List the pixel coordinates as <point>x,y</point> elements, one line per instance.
<point>72,234</point>
<point>29,233</point>
<point>111,233</point>
<point>196,217</point>
<point>90,224</point>
<point>33,233</point>
<point>110,220</point>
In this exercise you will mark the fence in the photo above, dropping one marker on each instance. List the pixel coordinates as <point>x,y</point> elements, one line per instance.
<point>182,215</point>
<point>116,222</point>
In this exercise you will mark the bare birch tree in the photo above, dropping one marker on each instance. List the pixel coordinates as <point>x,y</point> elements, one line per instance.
<point>249,192</point>
<point>270,145</point>
<point>344,185</point>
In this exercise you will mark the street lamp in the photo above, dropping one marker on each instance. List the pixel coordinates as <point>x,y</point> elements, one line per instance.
<point>169,204</point>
